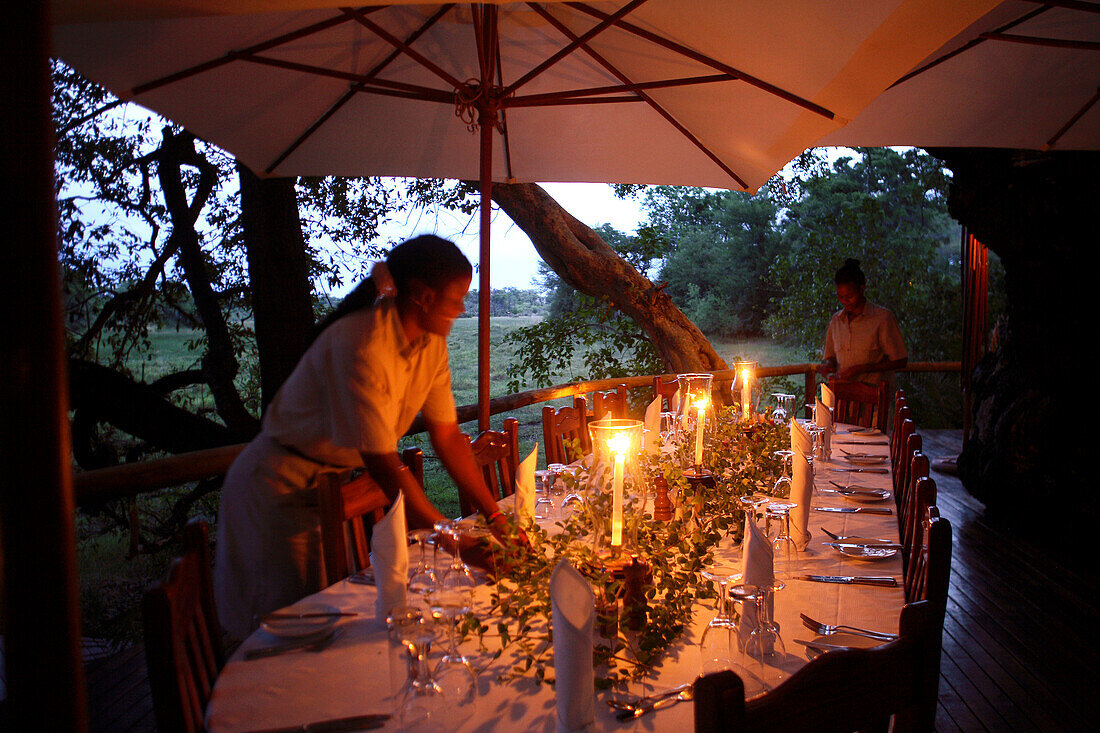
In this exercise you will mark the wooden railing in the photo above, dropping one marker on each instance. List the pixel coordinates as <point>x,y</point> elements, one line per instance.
<point>132,479</point>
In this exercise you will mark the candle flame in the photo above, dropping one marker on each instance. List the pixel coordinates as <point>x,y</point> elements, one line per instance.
<point>702,403</point>
<point>619,444</point>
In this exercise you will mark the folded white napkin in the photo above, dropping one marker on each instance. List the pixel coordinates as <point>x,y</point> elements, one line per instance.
<point>653,427</point>
<point>573,608</point>
<point>800,439</point>
<point>802,492</point>
<point>759,570</point>
<point>823,416</point>
<point>525,488</point>
<point>389,558</point>
<point>828,397</point>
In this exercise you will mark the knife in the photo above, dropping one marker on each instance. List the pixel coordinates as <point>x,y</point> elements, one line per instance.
<point>820,646</point>
<point>355,722</point>
<point>862,442</point>
<point>885,581</point>
<point>849,490</point>
<point>870,545</point>
<point>317,614</point>
<point>853,509</point>
<point>321,637</point>
<point>861,470</point>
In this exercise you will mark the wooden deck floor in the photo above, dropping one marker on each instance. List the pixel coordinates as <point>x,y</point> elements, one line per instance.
<point>1020,645</point>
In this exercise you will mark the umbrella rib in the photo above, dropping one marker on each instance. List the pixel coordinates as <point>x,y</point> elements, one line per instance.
<point>611,68</point>
<point>397,43</point>
<point>1039,41</point>
<point>708,61</point>
<point>969,45</point>
<point>237,55</point>
<point>1073,120</point>
<point>606,22</point>
<point>550,98</point>
<point>503,118</point>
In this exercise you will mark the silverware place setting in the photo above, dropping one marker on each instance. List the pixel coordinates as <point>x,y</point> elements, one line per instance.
<point>828,629</point>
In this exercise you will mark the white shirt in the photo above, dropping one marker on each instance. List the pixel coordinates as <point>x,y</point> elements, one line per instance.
<point>864,339</point>
<point>358,388</point>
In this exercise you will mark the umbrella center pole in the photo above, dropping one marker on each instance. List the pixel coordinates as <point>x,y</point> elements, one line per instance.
<point>486,118</point>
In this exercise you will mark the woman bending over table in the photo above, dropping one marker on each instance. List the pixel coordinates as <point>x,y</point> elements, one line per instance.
<point>377,360</point>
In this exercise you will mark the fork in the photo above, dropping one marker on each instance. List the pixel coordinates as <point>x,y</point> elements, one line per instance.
<point>840,538</point>
<point>826,629</point>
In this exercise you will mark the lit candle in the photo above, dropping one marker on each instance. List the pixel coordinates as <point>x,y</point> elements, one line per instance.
<point>618,446</point>
<point>700,422</point>
<point>746,392</point>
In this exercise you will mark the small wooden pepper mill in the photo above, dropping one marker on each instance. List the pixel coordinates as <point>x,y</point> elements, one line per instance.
<point>662,505</point>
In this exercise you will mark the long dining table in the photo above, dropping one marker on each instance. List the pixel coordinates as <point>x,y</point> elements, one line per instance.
<point>351,676</point>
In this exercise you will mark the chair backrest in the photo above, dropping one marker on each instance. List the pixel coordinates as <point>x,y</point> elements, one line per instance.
<point>611,403</point>
<point>932,565</point>
<point>861,404</point>
<point>903,428</point>
<point>840,691</point>
<point>918,469</point>
<point>496,452</point>
<point>665,389</point>
<point>913,444</point>
<point>567,423</point>
<point>413,458</point>
<point>913,534</point>
<point>183,639</point>
<point>348,508</point>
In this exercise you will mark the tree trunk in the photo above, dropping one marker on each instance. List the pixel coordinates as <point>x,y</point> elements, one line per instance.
<point>278,270</point>
<point>590,265</point>
<point>1030,394</point>
<point>219,362</point>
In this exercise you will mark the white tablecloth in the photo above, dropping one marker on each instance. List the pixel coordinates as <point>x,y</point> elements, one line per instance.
<point>352,676</point>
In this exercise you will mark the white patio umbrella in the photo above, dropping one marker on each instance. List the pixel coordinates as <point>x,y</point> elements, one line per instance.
<point>1025,75</point>
<point>716,93</point>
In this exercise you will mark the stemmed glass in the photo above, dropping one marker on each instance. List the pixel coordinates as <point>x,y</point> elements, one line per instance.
<point>714,646</point>
<point>779,414</point>
<point>422,703</point>
<point>783,483</point>
<point>754,503</point>
<point>764,643</point>
<point>784,548</point>
<point>422,575</point>
<point>457,577</point>
<point>573,497</point>
<point>454,673</point>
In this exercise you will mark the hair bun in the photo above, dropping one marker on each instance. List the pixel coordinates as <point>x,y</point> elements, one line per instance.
<point>383,280</point>
<point>851,262</point>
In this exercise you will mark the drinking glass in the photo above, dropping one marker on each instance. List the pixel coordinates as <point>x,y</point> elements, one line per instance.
<point>764,646</point>
<point>422,574</point>
<point>784,549</point>
<point>454,673</point>
<point>542,495</point>
<point>422,705</point>
<point>715,648</point>
<point>557,486</point>
<point>457,577</point>
<point>574,497</point>
<point>783,483</point>
<point>754,503</point>
<point>779,414</point>
<point>396,622</point>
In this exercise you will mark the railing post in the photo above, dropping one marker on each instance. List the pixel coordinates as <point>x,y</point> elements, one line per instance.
<point>811,386</point>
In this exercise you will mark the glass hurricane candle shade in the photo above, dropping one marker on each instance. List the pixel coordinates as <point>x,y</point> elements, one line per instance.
<point>618,481</point>
<point>746,373</point>
<point>695,406</point>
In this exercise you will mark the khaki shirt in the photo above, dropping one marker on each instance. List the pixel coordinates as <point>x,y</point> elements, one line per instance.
<point>358,388</point>
<point>867,338</point>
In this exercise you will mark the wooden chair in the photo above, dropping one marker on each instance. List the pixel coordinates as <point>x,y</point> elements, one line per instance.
<point>918,469</point>
<point>611,403</point>
<point>861,404</point>
<point>348,508</point>
<point>496,452</point>
<point>413,458</point>
<point>903,428</point>
<point>931,582</point>
<point>914,538</point>
<point>914,444</point>
<point>666,390</point>
<point>566,423</point>
<point>844,691</point>
<point>183,639</point>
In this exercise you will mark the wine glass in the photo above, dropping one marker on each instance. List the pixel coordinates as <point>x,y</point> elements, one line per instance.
<point>779,414</point>
<point>422,705</point>
<point>543,505</point>
<point>754,503</point>
<point>764,645</point>
<point>573,497</point>
<point>784,548</point>
<point>421,575</point>
<point>557,485</point>
<point>454,673</point>
<point>783,483</point>
<point>715,649</point>
<point>458,577</point>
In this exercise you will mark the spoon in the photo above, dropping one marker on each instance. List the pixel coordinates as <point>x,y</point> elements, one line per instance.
<point>687,693</point>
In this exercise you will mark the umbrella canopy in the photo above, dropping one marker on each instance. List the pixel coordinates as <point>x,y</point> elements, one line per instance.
<point>716,93</point>
<point>1025,75</point>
